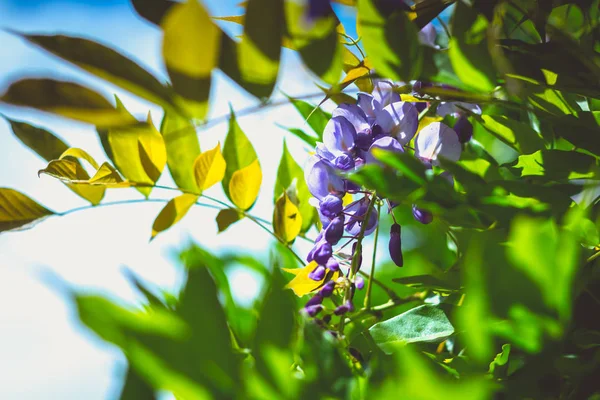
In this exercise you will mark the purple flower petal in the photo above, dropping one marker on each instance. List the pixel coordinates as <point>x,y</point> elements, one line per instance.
<point>354,114</point>
<point>331,206</point>
<point>313,301</point>
<point>400,120</point>
<point>427,35</point>
<point>359,282</point>
<point>322,179</point>
<point>463,129</point>
<point>335,230</point>
<point>437,140</point>
<point>327,289</point>
<point>313,310</point>
<point>423,216</point>
<point>318,273</point>
<point>332,265</point>
<point>322,253</point>
<point>385,143</point>
<point>339,136</point>
<point>344,308</point>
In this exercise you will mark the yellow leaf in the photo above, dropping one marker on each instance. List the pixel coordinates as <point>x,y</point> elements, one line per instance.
<point>209,168</point>
<point>236,19</point>
<point>301,284</point>
<point>245,184</point>
<point>69,171</point>
<point>347,199</point>
<point>109,177</point>
<point>18,210</point>
<point>360,76</point>
<point>287,221</point>
<point>79,153</point>
<point>172,213</point>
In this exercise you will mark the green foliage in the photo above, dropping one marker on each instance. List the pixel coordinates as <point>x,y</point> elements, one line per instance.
<point>497,294</point>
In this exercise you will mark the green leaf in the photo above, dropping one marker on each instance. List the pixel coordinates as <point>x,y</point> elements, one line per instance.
<point>66,99</point>
<point>172,213</point>
<point>181,142</point>
<point>185,26</point>
<point>139,152</point>
<point>582,131</point>
<point>50,147</point>
<point>242,162</point>
<point>424,323</point>
<point>135,388</point>
<point>227,217</point>
<point>260,47</point>
<point>558,165</point>
<point>468,49</point>
<point>318,43</point>
<point>300,134</point>
<point>499,366</point>
<point>291,175</point>
<point>17,210</point>
<point>391,40</point>
<point>106,64</point>
<point>313,115</point>
<point>153,10</point>
<point>517,135</point>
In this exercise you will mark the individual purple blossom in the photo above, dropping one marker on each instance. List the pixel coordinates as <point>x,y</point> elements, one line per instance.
<point>464,129</point>
<point>339,135</point>
<point>313,301</point>
<point>437,140</point>
<point>322,253</point>
<point>331,206</point>
<point>355,115</point>
<point>318,273</point>
<point>321,179</point>
<point>382,95</point>
<point>357,214</point>
<point>423,216</point>
<point>400,120</point>
<point>395,245</point>
<point>332,264</point>
<point>313,310</point>
<point>327,289</point>
<point>344,308</point>
<point>335,230</point>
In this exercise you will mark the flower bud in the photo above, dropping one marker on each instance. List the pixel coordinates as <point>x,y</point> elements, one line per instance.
<point>331,206</point>
<point>326,290</point>
<point>344,162</point>
<point>316,299</point>
<point>395,245</point>
<point>463,129</point>
<point>344,308</point>
<point>313,310</point>
<point>318,273</point>
<point>322,253</point>
<point>359,282</point>
<point>332,265</point>
<point>335,230</point>
<point>423,216</point>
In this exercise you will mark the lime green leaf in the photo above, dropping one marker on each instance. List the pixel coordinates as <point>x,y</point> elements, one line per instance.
<point>260,47</point>
<point>499,366</point>
<point>317,43</point>
<point>79,153</point>
<point>227,217</point>
<point>391,41</point>
<point>245,185</point>
<point>139,152</point>
<point>209,168</point>
<point>290,175</point>
<point>107,64</point>
<point>237,151</point>
<point>66,99</point>
<point>186,26</point>
<point>287,220</point>
<point>468,50</point>
<point>301,284</point>
<point>181,142</point>
<point>172,213</point>
<point>517,135</point>
<point>313,115</point>
<point>421,324</point>
<point>558,165</point>
<point>300,134</point>
<point>50,147</point>
<point>18,210</point>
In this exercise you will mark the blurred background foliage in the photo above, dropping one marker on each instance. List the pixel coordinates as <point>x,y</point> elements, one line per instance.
<point>499,296</point>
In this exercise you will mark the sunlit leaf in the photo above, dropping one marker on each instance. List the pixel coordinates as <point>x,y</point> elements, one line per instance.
<point>301,284</point>
<point>558,165</point>
<point>238,153</point>
<point>209,168</point>
<point>139,152</point>
<point>173,212</point>
<point>245,185</point>
<point>80,153</point>
<point>72,172</point>
<point>421,324</point>
<point>17,210</point>
<point>181,142</point>
<point>227,217</point>
<point>185,26</point>
<point>66,99</point>
<point>287,220</point>
<point>260,47</point>
<point>390,39</point>
<point>107,64</point>
<point>50,147</point>
<point>516,134</point>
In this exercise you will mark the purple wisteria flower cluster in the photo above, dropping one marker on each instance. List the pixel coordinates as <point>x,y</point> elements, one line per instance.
<point>379,120</point>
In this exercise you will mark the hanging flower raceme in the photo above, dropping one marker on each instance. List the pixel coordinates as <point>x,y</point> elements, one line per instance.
<point>378,120</point>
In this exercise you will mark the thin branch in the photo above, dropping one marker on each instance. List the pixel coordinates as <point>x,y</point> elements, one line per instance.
<point>372,275</point>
